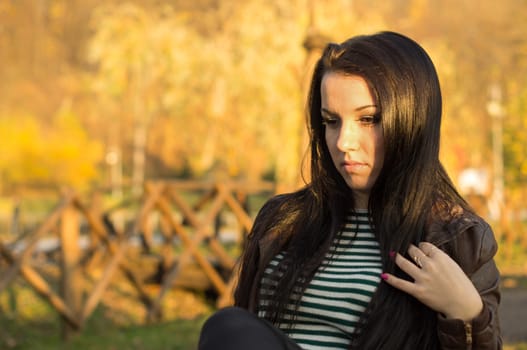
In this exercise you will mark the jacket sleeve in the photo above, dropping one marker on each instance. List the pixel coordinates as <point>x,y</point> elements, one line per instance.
<point>474,251</point>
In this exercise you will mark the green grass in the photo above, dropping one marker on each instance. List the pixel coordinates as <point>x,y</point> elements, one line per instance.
<point>101,333</point>
<point>28,322</point>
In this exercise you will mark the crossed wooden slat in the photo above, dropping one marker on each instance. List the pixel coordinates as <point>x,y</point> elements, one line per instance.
<point>159,196</point>
<point>72,311</point>
<point>190,243</point>
<point>19,265</point>
<point>220,197</point>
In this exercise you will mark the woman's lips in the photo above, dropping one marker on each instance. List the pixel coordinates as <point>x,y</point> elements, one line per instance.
<point>353,166</point>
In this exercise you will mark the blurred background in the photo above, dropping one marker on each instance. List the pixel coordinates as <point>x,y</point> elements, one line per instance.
<point>98,98</point>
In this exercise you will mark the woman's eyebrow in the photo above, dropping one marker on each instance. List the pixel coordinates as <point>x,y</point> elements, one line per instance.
<point>358,109</point>
<point>365,107</point>
<point>331,114</point>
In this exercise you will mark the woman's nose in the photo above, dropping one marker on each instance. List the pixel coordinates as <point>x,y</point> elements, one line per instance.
<point>348,138</point>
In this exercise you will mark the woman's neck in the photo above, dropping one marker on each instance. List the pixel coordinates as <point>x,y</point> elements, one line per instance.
<point>361,199</point>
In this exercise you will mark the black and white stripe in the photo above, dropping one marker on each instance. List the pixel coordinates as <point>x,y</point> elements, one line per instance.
<point>339,291</point>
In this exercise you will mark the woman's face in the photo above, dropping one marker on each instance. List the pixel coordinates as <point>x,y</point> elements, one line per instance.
<point>353,132</point>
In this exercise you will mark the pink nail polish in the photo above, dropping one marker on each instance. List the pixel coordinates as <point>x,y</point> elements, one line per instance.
<point>392,254</point>
<point>384,276</point>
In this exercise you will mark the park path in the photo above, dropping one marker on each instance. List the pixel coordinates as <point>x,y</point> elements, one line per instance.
<point>513,315</point>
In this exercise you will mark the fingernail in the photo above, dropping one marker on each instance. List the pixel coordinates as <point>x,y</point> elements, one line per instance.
<point>392,254</point>
<point>384,276</point>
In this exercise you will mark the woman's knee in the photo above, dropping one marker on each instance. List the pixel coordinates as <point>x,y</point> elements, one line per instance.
<point>237,328</point>
<point>227,320</point>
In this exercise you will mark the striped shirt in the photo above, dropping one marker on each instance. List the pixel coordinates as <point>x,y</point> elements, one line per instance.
<point>339,292</point>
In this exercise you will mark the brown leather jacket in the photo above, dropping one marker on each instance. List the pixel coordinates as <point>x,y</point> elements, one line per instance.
<point>469,240</point>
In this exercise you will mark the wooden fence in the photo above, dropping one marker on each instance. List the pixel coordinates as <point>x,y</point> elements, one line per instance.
<point>191,227</point>
<point>177,220</point>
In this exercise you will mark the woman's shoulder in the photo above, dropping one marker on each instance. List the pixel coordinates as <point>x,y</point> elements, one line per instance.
<point>457,220</point>
<point>464,235</point>
<point>448,222</point>
<point>277,212</point>
<point>285,202</point>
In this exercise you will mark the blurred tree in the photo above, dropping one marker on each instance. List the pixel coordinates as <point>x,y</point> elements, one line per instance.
<point>515,120</point>
<point>48,155</point>
<point>216,91</point>
<point>45,137</point>
<point>129,66</point>
<point>515,126</point>
<point>214,86</point>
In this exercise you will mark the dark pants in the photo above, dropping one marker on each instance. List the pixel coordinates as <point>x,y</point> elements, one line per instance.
<point>235,328</point>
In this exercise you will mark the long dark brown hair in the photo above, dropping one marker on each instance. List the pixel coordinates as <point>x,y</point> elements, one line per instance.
<point>411,185</point>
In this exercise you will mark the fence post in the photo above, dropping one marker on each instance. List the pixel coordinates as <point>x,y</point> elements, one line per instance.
<point>71,284</point>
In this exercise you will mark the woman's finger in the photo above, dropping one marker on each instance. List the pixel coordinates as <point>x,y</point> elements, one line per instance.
<point>399,283</point>
<point>429,249</point>
<point>417,255</point>
<point>407,266</point>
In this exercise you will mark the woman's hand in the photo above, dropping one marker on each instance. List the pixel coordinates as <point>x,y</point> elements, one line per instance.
<point>439,282</point>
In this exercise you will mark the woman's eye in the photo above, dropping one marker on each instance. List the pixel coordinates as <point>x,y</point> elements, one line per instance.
<point>329,121</point>
<point>369,119</point>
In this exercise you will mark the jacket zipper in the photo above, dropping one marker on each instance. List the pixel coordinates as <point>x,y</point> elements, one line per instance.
<point>468,335</point>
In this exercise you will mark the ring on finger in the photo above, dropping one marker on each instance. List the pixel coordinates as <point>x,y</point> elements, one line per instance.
<point>418,261</point>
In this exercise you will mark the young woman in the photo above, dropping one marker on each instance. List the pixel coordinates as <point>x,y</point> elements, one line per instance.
<point>378,251</point>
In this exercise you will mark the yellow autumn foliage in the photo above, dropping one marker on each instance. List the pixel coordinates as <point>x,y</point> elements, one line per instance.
<point>59,153</point>
<point>200,89</point>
